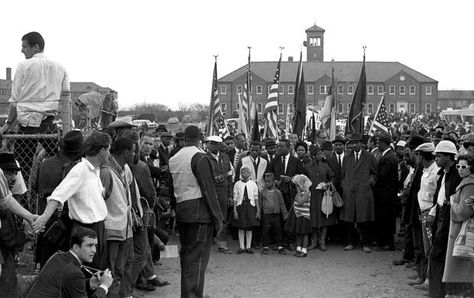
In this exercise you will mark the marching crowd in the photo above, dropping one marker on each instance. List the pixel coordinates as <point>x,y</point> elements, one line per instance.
<point>108,202</point>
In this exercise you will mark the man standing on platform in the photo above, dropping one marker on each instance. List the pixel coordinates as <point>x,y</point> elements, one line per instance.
<point>38,86</point>
<point>197,211</point>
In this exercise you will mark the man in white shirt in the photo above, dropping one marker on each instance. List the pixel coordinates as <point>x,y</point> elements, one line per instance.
<point>38,87</point>
<point>83,190</point>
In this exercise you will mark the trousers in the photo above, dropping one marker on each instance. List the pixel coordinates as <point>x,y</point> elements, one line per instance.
<point>120,260</point>
<point>195,239</point>
<point>271,226</point>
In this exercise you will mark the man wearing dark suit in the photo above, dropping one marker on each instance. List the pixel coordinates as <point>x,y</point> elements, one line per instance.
<point>358,176</point>
<point>284,168</point>
<point>385,193</point>
<point>336,161</point>
<point>270,147</point>
<point>62,276</point>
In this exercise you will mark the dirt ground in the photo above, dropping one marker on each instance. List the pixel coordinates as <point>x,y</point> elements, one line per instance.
<point>334,273</point>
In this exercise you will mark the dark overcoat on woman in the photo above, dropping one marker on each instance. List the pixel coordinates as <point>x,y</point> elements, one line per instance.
<point>317,172</point>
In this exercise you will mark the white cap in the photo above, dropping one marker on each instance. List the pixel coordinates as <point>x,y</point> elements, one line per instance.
<point>401,144</point>
<point>216,139</point>
<point>426,147</point>
<point>446,147</point>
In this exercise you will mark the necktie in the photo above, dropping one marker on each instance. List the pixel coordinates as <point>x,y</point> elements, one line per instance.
<point>339,158</point>
<point>357,157</point>
<point>283,165</point>
<point>255,166</point>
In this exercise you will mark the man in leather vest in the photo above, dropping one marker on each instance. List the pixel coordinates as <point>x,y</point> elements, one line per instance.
<point>197,211</point>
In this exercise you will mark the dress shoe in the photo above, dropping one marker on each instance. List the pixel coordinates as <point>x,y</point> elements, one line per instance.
<point>366,249</point>
<point>224,250</point>
<point>158,282</point>
<point>424,286</point>
<point>415,282</point>
<point>322,246</point>
<point>249,251</point>
<point>302,255</point>
<point>240,251</point>
<point>297,253</point>
<point>281,251</point>
<point>349,247</point>
<point>400,262</point>
<point>265,251</point>
<point>145,287</point>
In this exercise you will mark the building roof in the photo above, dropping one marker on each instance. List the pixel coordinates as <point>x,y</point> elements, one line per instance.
<point>315,29</point>
<point>455,94</point>
<point>88,86</point>
<point>313,71</point>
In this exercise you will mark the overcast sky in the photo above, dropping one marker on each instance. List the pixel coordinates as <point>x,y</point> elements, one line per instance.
<point>162,51</point>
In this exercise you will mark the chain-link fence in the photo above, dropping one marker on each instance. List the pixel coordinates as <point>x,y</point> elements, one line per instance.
<point>30,150</point>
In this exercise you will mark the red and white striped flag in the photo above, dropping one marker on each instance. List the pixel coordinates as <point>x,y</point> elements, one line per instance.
<point>271,107</point>
<point>380,122</point>
<point>216,111</point>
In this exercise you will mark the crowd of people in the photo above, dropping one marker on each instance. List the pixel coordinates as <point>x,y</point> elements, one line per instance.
<point>109,201</point>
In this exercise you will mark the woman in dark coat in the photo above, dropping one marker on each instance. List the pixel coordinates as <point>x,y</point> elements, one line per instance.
<point>319,172</point>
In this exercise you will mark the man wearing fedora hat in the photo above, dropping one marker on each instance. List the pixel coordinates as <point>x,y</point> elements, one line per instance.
<point>358,177</point>
<point>51,172</point>
<point>385,192</point>
<point>178,143</point>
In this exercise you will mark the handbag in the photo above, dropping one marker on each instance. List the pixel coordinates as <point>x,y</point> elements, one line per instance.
<point>149,218</point>
<point>464,243</point>
<point>137,222</point>
<point>327,205</point>
<point>336,197</point>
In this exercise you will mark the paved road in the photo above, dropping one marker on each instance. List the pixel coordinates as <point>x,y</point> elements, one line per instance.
<point>334,273</point>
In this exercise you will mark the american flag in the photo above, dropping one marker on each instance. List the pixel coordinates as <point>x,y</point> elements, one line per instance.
<point>271,118</point>
<point>380,122</point>
<point>248,96</point>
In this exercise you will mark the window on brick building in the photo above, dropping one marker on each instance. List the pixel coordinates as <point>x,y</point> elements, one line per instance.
<point>340,108</point>
<point>380,90</point>
<point>370,108</point>
<point>259,89</point>
<point>239,89</point>
<point>310,89</point>
<point>370,89</point>
<point>223,89</point>
<point>411,108</point>
<point>290,108</point>
<point>429,90</point>
<point>428,108</point>
<point>291,89</point>
<point>280,108</point>
<point>323,89</point>
<point>350,89</point>
<point>391,90</point>
<point>412,90</point>
<point>391,108</point>
<point>259,107</point>
<point>401,90</point>
<point>340,89</point>
<point>315,41</point>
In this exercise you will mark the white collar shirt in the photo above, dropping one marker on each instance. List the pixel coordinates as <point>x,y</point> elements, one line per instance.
<point>386,150</point>
<point>83,190</point>
<point>428,182</point>
<point>340,156</point>
<point>287,157</point>
<point>37,88</point>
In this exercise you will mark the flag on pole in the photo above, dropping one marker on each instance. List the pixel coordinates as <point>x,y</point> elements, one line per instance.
<point>248,95</point>
<point>243,116</point>
<point>328,113</point>
<point>355,119</point>
<point>216,116</point>
<point>380,122</point>
<point>271,117</point>
<point>255,128</point>
<point>300,101</point>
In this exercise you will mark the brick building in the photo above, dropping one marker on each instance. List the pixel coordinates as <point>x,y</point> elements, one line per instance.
<point>406,90</point>
<point>455,99</point>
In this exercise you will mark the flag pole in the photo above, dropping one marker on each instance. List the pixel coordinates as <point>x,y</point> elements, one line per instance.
<point>211,104</point>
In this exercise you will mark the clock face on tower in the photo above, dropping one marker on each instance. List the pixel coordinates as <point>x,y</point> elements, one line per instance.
<point>402,78</point>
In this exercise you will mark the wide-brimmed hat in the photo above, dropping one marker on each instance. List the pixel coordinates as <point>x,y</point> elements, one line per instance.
<point>356,137</point>
<point>339,139</point>
<point>385,137</point>
<point>8,162</point>
<point>121,124</point>
<point>72,142</point>
<point>179,136</point>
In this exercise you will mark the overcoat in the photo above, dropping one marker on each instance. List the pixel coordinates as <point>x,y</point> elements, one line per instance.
<point>357,189</point>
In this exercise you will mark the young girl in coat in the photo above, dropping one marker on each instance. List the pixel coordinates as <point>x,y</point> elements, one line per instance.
<point>298,219</point>
<point>246,209</point>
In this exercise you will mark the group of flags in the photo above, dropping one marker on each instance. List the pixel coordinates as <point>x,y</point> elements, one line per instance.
<point>248,115</point>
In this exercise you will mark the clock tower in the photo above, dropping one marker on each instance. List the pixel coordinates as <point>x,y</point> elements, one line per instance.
<point>315,44</point>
